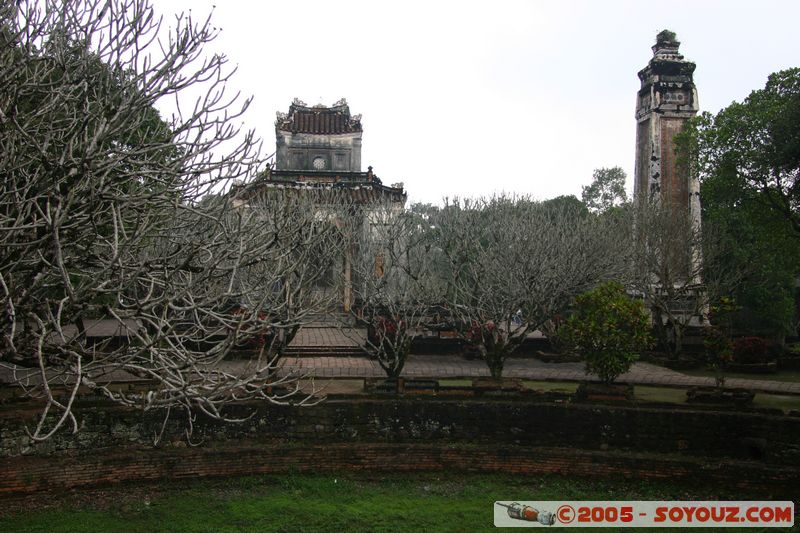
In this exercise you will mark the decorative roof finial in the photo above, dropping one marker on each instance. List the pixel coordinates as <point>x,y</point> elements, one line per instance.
<point>666,36</point>
<point>666,46</point>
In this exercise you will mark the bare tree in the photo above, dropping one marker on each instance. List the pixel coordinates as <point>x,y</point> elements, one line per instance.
<point>678,268</point>
<point>512,264</point>
<point>109,212</point>
<point>395,288</point>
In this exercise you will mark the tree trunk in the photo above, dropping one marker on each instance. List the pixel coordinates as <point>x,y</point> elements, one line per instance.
<point>495,360</point>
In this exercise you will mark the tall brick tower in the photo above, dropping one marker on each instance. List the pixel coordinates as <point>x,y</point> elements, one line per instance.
<point>666,100</point>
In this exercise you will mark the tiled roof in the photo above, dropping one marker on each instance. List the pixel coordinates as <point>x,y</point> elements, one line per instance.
<point>363,187</point>
<point>318,119</point>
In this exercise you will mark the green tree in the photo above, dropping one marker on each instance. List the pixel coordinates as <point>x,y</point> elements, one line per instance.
<point>608,329</point>
<point>755,146</point>
<point>606,191</point>
<point>763,246</point>
<point>748,160</point>
<point>567,204</point>
<point>510,264</point>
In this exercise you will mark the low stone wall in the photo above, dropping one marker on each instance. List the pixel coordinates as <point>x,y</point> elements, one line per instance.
<point>30,474</point>
<point>750,450</point>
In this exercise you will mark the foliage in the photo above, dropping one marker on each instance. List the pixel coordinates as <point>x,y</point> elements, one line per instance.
<point>720,312</point>
<point>682,267</point>
<point>666,35</point>
<point>608,329</point>
<point>756,145</point>
<point>509,264</point>
<point>606,191</point>
<point>718,351</point>
<point>388,338</point>
<point>748,158</point>
<point>491,342</point>
<point>792,350</point>
<point>567,204</point>
<point>763,247</point>
<point>750,350</point>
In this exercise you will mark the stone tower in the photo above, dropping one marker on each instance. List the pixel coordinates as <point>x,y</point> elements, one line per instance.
<point>318,150</point>
<point>666,100</point>
<point>318,138</point>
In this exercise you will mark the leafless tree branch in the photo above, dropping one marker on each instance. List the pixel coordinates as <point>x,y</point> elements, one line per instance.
<point>124,251</point>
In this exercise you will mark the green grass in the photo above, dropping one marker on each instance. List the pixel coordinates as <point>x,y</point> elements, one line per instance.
<point>777,401</point>
<point>320,503</point>
<point>552,386</point>
<point>792,376</point>
<point>645,393</point>
<point>659,394</point>
<point>555,386</point>
<point>678,395</point>
<point>455,382</point>
<point>549,386</point>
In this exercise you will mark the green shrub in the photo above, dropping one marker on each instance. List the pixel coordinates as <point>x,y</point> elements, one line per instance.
<point>608,329</point>
<point>750,350</point>
<point>718,351</point>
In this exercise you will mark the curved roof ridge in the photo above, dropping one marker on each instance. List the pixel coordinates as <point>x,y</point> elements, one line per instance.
<point>319,119</point>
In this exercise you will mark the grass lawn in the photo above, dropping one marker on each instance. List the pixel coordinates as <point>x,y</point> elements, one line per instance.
<point>552,386</point>
<point>322,502</point>
<point>555,386</point>
<point>642,393</point>
<point>659,394</point>
<point>678,395</point>
<point>792,376</point>
<point>777,401</point>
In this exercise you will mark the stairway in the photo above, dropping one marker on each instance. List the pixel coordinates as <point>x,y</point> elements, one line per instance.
<point>325,351</point>
<point>317,340</point>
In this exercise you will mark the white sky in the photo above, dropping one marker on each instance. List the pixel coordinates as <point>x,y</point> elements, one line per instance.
<point>468,98</point>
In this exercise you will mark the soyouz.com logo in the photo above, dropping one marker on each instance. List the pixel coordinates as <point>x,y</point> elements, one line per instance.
<point>641,514</point>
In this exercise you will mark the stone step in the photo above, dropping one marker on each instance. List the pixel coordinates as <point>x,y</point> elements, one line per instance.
<point>322,351</point>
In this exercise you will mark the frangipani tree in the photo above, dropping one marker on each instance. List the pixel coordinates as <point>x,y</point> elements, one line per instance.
<point>109,212</point>
<point>396,285</point>
<point>512,264</point>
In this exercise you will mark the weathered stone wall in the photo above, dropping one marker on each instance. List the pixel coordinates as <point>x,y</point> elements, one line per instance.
<point>674,181</point>
<point>297,151</point>
<point>412,434</point>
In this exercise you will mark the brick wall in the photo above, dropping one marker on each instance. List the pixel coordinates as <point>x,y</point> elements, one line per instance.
<point>742,449</point>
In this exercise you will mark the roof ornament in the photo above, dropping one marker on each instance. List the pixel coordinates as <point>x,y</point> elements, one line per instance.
<point>667,45</point>
<point>340,103</point>
<point>299,102</point>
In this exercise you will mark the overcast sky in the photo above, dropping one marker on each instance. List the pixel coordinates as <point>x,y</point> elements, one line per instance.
<point>467,98</point>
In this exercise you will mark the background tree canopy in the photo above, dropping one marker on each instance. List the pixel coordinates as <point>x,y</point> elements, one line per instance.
<point>748,158</point>
<point>606,191</point>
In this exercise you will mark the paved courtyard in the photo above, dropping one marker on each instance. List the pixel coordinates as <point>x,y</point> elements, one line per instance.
<point>453,366</point>
<point>316,359</point>
<point>322,336</point>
